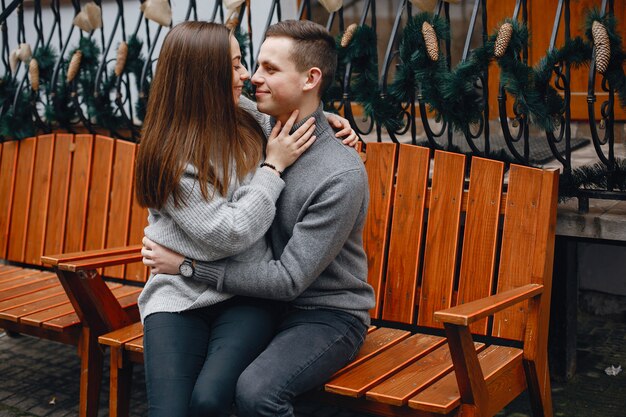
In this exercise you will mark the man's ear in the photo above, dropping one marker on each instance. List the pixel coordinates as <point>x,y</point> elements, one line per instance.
<point>313,79</point>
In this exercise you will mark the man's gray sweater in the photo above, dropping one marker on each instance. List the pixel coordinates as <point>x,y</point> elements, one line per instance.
<point>316,237</point>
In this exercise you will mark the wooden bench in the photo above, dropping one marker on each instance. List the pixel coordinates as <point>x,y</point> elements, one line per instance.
<point>65,193</point>
<point>435,238</point>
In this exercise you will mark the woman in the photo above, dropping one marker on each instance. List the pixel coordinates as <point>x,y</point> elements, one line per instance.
<point>198,172</point>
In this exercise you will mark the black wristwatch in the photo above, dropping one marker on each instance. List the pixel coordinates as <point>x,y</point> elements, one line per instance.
<point>186,268</point>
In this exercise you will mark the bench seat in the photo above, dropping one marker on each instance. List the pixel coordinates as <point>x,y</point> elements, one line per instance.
<point>461,263</point>
<point>66,193</point>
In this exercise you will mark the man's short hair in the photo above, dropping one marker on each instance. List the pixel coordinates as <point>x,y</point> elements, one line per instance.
<point>313,47</point>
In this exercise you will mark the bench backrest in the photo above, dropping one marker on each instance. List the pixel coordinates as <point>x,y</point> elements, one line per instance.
<point>63,193</point>
<point>436,238</point>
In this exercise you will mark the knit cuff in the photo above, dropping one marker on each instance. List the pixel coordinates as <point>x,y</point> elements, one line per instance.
<point>268,181</point>
<point>211,273</point>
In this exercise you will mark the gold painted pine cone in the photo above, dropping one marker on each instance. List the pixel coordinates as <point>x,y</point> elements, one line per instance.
<point>89,18</point>
<point>502,40</point>
<point>348,35</point>
<point>33,73</point>
<point>158,11</point>
<point>122,54</point>
<point>331,6</point>
<point>603,46</point>
<point>74,66</point>
<point>430,39</point>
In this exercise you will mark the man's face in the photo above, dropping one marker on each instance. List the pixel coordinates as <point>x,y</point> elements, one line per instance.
<point>278,82</point>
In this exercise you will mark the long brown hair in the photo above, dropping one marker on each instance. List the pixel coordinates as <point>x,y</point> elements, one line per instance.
<point>192,118</point>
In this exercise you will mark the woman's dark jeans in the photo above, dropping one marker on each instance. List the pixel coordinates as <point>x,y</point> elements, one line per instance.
<point>193,359</point>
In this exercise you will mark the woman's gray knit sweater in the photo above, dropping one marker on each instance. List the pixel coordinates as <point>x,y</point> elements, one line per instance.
<point>224,226</point>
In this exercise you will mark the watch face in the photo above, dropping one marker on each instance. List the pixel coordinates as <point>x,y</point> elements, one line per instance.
<point>186,270</point>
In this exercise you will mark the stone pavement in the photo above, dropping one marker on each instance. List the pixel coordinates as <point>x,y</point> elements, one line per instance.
<point>40,378</point>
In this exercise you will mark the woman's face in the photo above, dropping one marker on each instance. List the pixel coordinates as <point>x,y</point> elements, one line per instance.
<point>240,73</point>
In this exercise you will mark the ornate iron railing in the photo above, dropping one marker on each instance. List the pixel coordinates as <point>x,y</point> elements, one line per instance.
<point>104,98</point>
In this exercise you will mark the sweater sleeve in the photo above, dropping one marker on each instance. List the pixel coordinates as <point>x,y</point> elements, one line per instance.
<point>228,227</point>
<point>317,239</point>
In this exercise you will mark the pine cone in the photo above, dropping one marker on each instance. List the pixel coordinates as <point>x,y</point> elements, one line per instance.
<point>602,45</point>
<point>74,66</point>
<point>348,35</point>
<point>502,40</point>
<point>431,41</point>
<point>232,23</point>
<point>33,72</point>
<point>122,54</point>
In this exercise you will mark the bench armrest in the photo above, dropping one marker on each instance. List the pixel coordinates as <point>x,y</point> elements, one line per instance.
<point>94,259</point>
<point>465,314</point>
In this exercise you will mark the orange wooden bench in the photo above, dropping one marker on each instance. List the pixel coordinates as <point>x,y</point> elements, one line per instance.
<point>462,270</point>
<point>65,193</point>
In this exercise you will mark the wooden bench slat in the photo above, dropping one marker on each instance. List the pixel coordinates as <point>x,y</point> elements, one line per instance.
<point>69,258</point>
<point>121,201</point>
<point>5,269</point>
<point>99,193</point>
<point>414,378</point>
<point>376,341</point>
<point>442,236</point>
<point>518,243</point>
<point>76,225</point>
<point>137,271</point>
<point>406,234</point>
<point>136,345</point>
<point>36,319</point>
<point>50,281</point>
<point>356,381</point>
<point>21,199</point>
<point>101,261</point>
<point>480,237</point>
<point>59,194</point>
<point>32,307</point>
<point>40,194</point>
<point>380,166</point>
<point>8,177</point>
<point>15,274</point>
<point>443,397</point>
<point>23,278</point>
<point>30,298</point>
<point>118,337</point>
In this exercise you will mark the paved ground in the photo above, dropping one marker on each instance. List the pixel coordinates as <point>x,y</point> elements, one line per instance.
<point>40,378</point>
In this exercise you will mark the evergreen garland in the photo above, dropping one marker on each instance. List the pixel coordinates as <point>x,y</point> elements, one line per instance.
<point>451,95</point>
<point>535,98</point>
<point>16,121</point>
<point>361,52</point>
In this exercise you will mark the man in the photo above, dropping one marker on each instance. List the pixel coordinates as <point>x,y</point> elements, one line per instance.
<point>320,266</point>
